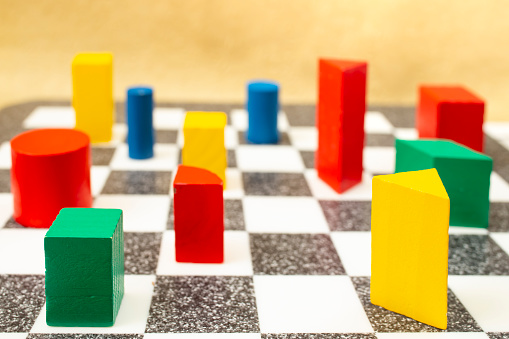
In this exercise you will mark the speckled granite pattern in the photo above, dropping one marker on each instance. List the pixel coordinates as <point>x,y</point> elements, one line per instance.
<point>399,117</point>
<point>476,255</point>
<point>231,158</point>
<point>85,336</point>
<point>192,304</point>
<point>300,115</point>
<point>379,140</point>
<point>294,254</point>
<point>101,156</point>
<point>347,215</point>
<point>138,182</point>
<point>308,157</point>
<point>382,320</point>
<point>234,215</point>
<point>10,223</point>
<point>141,252</point>
<point>500,156</point>
<point>21,300</point>
<point>167,136</point>
<point>318,336</point>
<point>284,139</point>
<point>498,335</point>
<point>275,184</point>
<point>5,181</point>
<point>499,217</point>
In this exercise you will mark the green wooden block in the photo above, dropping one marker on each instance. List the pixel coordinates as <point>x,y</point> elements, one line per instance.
<point>84,252</point>
<point>465,174</point>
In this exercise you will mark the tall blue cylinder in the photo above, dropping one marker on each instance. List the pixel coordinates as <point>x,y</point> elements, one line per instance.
<point>262,108</point>
<point>140,129</point>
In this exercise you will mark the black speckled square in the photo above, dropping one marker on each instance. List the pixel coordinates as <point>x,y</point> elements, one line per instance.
<point>498,335</point>
<point>11,223</point>
<point>383,320</point>
<point>476,255</point>
<point>231,158</point>
<point>138,182</point>
<point>379,140</point>
<point>233,215</point>
<point>101,156</point>
<point>141,252</point>
<point>308,157</point>
<point>319,336</point>
<point>275,184</point>
<point>300,115</point>
<point>347,215</point>
<point>84,336</point>
<point>21,300</point>
<point>203,304</point>
<point>5,181</point>
<point>166,136</point>
<point>294,254</point>
<point>399,117</point>
<point>499,217</point>
<point>500,156</point>
<point>171,217</point>
<point>284,139</point>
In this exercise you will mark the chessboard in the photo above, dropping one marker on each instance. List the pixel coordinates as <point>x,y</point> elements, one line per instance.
<point>297,255</point>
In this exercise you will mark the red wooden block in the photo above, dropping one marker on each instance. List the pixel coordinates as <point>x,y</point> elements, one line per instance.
<point>198,210</point>
<point>340,122</point>
<point>50,171</point>
<point>451,112</point>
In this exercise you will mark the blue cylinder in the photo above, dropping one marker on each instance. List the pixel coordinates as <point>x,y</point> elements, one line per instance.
<point>140,129</point>
<point>262,108</point>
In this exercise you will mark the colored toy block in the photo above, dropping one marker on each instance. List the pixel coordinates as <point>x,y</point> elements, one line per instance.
<point>140,134</point>
<point>198,211</point>
<point>340,122</point>
<point>92,88</point>
<point>204,142</point>
<point>464,172</point>
<point>50,171</point>
<point>409,245</point>
<point>262,108</point>
<point>84,250</point>
<point>451,112</point>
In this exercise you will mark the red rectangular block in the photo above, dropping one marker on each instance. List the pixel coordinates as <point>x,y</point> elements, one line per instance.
<point>451,112</point>
<point>199,217</point>
<point>340,122</point>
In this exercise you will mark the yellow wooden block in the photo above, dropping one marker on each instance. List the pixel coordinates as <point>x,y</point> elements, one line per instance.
<point>410,242</point>
<point>92,84</point>
<point>204,142</point>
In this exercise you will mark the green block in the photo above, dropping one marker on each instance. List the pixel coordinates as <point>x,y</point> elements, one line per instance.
<point>84,252</point>
<point>465,174</point>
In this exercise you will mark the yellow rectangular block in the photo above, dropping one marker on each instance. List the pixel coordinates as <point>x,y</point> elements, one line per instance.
<point>204,142</point>
<point>410,243</point>
<point>92,88</point>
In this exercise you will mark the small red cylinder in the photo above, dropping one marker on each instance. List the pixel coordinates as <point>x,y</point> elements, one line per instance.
<point>50,171</point>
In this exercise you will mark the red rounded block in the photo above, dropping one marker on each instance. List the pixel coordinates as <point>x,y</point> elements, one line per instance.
<point>50,171</point>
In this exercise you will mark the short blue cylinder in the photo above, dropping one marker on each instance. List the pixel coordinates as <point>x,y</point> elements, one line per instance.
<point>140,129</point>
<point>262,108</point>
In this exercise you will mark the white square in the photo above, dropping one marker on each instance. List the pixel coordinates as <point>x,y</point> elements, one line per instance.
<point>284,215</point>
<point>467,230</point>
<point>498,130</point>
<point>5,155</point>
<point>147,213</point>
<point>304,138</point>
<point>6,208</point>
<point>354,249</point>
<point>502,239</point>
<point>499,188</point>
<point>98,177</point>
<point>240,120</point>
<point>379,160</point>
<point>14,335</point>
<point>432,335</point>
<point>51,117</point>
<point>202,335</point>
<point>234,187</point>
<point>22,251</point>
<point>165,159</point>
<point>237,257</point>
<point>231,137</point>
<point>321,190</point>
<point>309,304</point>
<point>269,159</point>
<point>406,133</point>
<point>168,118</point>
<point>376,122</point>
<point>486,298</point>
<point>132,315</point>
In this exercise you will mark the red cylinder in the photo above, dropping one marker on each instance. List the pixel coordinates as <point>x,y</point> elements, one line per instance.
<point>50,171</point>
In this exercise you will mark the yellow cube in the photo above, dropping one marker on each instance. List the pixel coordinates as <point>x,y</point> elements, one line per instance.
<point>410,242</point>
<point>204,142</point>
<point>92,88</point>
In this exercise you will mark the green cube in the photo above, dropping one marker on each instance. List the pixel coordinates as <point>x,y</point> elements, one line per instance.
<point>84,252</point>
<point>465,174</point>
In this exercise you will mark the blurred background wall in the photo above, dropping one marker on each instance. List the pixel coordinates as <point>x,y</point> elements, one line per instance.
<point>205,50</point>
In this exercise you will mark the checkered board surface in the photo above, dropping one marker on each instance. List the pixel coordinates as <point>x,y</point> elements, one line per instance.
<point>297,255</point>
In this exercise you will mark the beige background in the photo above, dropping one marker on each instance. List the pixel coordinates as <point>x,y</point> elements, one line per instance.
<point>205,50</point>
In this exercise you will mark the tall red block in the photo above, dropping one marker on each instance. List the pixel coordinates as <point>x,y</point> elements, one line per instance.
<point>198,211</point>
<point>340,122</point>
<point>451,112</point>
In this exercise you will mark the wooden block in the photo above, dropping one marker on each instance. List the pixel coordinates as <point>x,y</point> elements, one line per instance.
<point>204,142</point>
<point>84,250</point>
<point>340,122</point>
<point>409,230</point>
<point>199,216</point>
<point>92,87</point>
<point>465,174</point>
<point>451,112</point>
